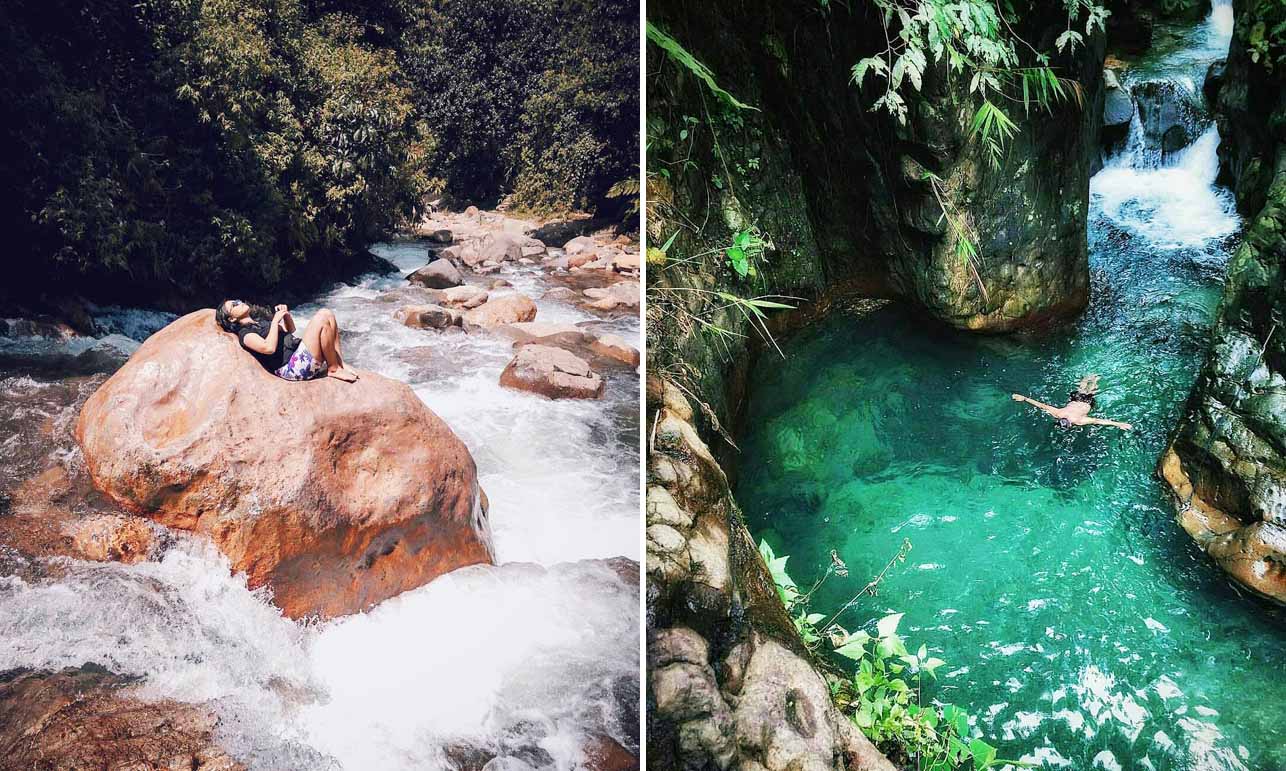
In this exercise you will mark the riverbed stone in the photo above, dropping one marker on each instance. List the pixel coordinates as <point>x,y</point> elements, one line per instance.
<point>428,316</point>
<point>506,309</point>
<point>334,495</point>
<point>623,295</point>
<point>552,372</point>
<point>439,274</point>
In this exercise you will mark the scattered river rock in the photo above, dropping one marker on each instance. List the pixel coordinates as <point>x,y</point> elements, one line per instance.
<point>509,309</point>
<point>439,274</point>
<point>334,495</point>
<point>428,316</point>
<point>552,372</point>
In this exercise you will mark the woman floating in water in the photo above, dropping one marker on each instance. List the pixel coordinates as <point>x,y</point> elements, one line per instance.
<point>1077,410</point>
<point>274,344</point>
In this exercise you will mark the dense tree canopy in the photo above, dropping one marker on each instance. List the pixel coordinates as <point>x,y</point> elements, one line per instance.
<point>181,146</point>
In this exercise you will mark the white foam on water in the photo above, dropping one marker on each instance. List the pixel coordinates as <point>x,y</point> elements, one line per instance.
<point>471,656</point>
<point>1174,206</point>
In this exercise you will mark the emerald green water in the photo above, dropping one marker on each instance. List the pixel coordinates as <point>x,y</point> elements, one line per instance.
<point>1080,624</point>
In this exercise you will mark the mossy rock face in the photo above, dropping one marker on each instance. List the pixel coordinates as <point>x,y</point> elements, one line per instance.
<point>1227,461</point>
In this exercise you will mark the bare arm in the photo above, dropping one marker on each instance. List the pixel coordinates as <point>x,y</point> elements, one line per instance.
<point>1113,423</point>
<point>259,344</point>
<point>1055,411</point>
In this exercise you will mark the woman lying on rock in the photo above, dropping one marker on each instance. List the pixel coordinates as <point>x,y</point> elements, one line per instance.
<point>1077,410</point>
<point>274,344</point>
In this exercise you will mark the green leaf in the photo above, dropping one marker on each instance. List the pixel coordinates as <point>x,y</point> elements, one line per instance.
<point>681,55</point>
<point>854,649</point>
<point>983,754</point>
<point>888,625</point>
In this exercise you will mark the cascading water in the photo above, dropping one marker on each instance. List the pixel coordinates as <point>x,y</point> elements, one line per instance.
<point>525,659</point>
<point>1082,628</point>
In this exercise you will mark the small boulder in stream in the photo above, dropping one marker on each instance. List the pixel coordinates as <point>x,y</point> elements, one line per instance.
<point>334,495</point>
<point>552,372</point>
<point>428,316</point>
<point>509,309</point>
<point>439,274</point>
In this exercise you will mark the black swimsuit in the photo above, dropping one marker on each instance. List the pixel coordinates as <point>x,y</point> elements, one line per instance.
<point>1080,396</point>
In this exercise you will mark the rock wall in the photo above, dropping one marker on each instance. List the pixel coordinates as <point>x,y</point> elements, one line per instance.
<point>1226,463</point>
<point>729,683</point>
<point>840,197</point>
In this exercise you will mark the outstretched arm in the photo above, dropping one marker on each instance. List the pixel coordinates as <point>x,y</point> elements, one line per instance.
<point>1038,405</point>
<point>1113,423</point>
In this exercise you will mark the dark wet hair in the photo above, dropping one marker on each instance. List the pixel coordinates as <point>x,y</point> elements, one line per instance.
<point>221,317</point>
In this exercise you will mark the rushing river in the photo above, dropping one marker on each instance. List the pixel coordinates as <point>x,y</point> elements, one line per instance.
<point>527,658</point>
<point>1082,628</point>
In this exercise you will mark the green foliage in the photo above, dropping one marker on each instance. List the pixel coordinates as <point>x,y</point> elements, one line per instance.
<point>680,54</point>
<point>1267,41</point>
<point>171,147</point>
<point>974,39</point>
<point>535,96</point>
<point>884,696</point>
<point>747,247</point>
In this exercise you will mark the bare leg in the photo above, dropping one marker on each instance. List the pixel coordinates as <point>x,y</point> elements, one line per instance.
<point>322,338</point>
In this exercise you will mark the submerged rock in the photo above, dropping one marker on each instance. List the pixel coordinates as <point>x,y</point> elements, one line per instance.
<point>1171,115</point>
<point>552,372</point>
<point>334,495</point>
<point>85,718</point>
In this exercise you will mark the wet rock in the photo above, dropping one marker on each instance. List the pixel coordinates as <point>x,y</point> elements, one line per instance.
<point>500,283</point>
<point>580,258</point>
<point>559,335</point>
<point>615,348</point>
<point>1118,111</point>
<point>113,538</point>
<point>762,704</point>
<point>428,316</point>
<point>441,236</point>
<point>1214,81</point>
<point>508,309</point>
<point>439,274</point>
<point>85,718</point>
<point>621,296</point>
<point>603,753</point>
<point>464,296</point>
<point>1171,115</point>
<point>335,495</point>
<point>551,372</point>
<point>1130,26</point>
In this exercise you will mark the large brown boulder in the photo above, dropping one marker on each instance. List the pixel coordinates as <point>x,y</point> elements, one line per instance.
<point>334,495</point>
